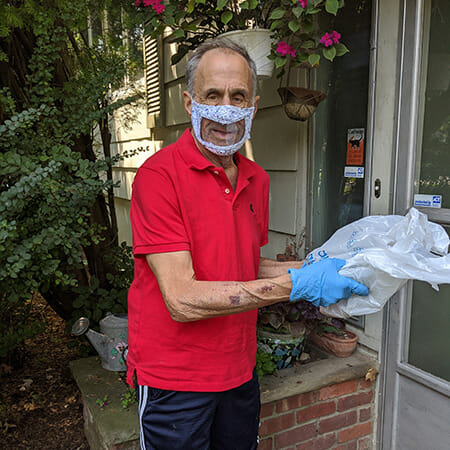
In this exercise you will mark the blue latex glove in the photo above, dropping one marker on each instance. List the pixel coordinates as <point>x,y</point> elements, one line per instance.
<point>320,283</point>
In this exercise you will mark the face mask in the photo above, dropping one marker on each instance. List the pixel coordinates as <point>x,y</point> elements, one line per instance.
<point>228,117</point>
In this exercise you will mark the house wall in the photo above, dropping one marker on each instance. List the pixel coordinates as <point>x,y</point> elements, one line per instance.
<point>129,132</point>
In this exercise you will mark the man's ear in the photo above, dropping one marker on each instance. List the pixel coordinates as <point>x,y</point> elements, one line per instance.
<point>255,104</point>
<point>187,102</point>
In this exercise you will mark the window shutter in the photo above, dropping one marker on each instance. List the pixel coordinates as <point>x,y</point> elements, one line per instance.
<point>153,63</point>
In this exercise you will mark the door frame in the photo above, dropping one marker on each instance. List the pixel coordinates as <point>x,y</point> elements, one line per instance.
<point>396,317</point>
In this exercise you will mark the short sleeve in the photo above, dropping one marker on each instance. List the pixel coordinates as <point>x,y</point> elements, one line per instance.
<point>155,214</point>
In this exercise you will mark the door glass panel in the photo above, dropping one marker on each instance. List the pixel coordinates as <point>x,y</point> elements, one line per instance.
<point>429,337</point>
<point>435,161</point>
<point>429,340</point>
<point>336,200</point>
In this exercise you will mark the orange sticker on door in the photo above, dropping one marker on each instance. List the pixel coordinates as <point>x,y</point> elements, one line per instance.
<point>355,147</point>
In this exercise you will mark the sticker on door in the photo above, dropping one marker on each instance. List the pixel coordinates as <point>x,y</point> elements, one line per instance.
<point>355,147</point>
<point>428,200</point>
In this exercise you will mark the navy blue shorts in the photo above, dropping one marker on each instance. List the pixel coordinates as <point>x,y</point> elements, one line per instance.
<point>172,420</point>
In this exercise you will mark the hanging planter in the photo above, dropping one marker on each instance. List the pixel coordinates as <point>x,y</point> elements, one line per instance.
<point>258,43</point>
<point>300,103</point>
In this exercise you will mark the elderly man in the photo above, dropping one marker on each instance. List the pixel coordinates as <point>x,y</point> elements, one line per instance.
<point>199,214</point>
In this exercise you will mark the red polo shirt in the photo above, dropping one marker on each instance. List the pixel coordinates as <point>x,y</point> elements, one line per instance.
<point>181,201</point>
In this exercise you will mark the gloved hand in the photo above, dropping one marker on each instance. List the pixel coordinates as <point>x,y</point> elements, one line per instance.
<point>321,284</point>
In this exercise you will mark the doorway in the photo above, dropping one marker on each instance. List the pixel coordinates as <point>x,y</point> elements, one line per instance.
<point>416,406</point>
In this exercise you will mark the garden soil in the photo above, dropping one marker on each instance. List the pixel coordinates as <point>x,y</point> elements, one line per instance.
<point>40,404</point>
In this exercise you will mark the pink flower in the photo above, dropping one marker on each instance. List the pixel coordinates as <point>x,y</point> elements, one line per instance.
<point>336,36</point>
<point>137,3</point>
<point>155,4</point>
<point>283,49</point>
<point>303,3</point>
<point>159,8</point>
<point>326,40</point>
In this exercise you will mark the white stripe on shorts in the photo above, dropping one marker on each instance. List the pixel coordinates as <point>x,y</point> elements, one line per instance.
<point>143,394</point>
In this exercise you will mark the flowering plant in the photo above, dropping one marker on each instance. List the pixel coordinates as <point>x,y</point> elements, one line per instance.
<point>298,37</point>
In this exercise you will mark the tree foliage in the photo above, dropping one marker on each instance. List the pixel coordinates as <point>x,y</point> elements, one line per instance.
<point>58,229</point>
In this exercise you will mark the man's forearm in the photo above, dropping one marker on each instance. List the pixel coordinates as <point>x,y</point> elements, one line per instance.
<point>188,299</point>
<point>206,299</point>
<point>269,268</point>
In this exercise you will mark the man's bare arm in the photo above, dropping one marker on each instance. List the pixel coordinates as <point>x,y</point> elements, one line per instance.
<point>188,299</point>
<point>268,268</point>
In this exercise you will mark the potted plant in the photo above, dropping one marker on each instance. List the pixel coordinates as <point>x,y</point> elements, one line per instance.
<point>300,103</point>
<point>191,22</point>
<point>284,328</point>
<point>281,327</point>
<point>327,333</point>
<point>282,333</point>
<point>332,336</point>
<point>297,37</point>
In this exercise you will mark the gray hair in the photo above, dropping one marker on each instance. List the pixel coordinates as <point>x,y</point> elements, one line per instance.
<point>219,43</point>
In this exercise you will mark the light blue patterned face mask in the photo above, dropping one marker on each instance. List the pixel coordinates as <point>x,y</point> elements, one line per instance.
<point>227,116</point>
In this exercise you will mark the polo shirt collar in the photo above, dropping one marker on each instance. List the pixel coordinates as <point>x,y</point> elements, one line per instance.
<point>195,160</point>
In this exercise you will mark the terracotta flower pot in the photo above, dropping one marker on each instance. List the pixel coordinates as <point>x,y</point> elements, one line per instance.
<point>300,103</point>
<point>338,346</point>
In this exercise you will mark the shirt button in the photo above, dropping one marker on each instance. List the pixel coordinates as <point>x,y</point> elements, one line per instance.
<point>216,172</point>
<point>227,191</point>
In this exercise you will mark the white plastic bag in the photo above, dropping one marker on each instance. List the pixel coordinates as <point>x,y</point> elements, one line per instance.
<point>383,252</point>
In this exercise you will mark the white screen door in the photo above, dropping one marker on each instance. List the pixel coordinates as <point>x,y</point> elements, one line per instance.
<point>416,405</point>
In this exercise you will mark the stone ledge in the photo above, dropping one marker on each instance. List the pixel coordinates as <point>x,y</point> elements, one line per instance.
<point>315,375</point>
<point>113,427</point>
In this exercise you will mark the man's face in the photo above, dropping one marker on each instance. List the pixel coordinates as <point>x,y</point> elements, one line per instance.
<point>222,78</point>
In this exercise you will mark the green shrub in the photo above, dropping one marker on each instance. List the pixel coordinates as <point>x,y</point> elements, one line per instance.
<point>58,230</point>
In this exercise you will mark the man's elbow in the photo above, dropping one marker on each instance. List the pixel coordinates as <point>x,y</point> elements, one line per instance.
<point>179,310</point>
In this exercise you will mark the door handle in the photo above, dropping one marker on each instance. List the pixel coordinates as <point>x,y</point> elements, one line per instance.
<point>377,188</point>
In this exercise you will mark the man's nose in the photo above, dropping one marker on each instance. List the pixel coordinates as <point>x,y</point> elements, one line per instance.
<point>226,100</point>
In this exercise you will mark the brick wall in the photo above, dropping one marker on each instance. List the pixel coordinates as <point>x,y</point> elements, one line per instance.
<point>338,417</point>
